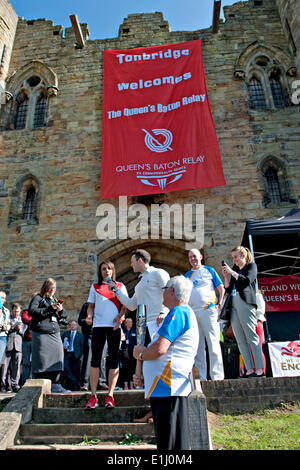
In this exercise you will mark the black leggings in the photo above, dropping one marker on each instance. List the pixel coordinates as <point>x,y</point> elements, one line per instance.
<point>99,336</point>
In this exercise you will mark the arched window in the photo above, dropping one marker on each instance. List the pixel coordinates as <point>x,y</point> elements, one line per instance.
<point>271,176</point>
<point>280,97</point>
<point>41,111</point>
<point>256,94</point>
<point>28,209</point>
<point>25,201</point>
<point>267,71</point>
<point>276,185</point>
<point>32,87</point>
<point>21,112</point>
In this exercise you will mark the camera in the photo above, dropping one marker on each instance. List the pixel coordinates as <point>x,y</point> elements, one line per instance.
<point>63,321</point>
<point>223,263</point>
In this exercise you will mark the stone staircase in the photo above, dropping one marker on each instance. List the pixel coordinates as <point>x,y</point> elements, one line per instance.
<point>63,421</point>
<point>35,419</point>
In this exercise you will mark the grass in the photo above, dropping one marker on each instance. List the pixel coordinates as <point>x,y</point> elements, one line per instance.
<point>270,429</point>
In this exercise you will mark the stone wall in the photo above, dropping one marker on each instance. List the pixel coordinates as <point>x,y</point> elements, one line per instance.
<point>64,157</point>
<point>246,395</point>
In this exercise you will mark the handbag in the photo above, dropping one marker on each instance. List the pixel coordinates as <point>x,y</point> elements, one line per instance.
<point>225,313</point>
<point>125,353</point>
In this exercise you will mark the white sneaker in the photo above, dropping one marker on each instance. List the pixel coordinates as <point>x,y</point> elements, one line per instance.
<point>57,388</point>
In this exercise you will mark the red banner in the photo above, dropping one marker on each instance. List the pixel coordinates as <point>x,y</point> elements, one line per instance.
<point>282,293</point>
<point>158,133</point>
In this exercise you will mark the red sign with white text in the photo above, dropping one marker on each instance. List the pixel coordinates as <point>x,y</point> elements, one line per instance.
<point>282,294</point>
<point>158,133</point>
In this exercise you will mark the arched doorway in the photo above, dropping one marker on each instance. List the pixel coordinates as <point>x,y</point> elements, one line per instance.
<point>170,255</point>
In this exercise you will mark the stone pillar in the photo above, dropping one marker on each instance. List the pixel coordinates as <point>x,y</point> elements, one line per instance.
<point>199,430</point>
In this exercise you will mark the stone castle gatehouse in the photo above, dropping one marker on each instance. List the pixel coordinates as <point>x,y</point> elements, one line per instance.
<point>50,142</point>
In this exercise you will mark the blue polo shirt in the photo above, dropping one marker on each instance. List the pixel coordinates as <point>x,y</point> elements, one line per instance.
<point>170,374</point>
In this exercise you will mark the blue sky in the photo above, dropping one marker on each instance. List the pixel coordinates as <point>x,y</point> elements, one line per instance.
<point>105,16</point>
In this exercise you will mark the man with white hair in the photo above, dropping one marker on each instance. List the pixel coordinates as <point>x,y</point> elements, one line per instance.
<point>205,305</point>
<point>167,367</point>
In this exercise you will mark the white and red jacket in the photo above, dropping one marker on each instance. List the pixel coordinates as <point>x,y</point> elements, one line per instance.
<point>107,306</point>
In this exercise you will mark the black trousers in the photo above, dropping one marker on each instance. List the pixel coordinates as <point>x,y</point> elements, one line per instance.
<point>171,424</point>
<point>72,369</point>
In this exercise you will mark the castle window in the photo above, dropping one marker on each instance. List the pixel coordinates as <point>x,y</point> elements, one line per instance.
<point>25,201</point>
<point>21,113</point>
<point>273,185</point>
<point>28,209</point>
<point>280,98</point>
<point>277,189</point>
<point>257,96</point>
<point>34,81</point>
<point>265,70</point>
<point>41,109</point>
<point>32,87</point>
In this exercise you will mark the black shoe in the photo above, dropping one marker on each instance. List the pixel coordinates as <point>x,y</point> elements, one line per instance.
<point>254,374</point>
<point>3,389</point>
<point>16,389</point>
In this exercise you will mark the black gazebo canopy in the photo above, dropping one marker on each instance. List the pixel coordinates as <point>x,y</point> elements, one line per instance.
<point>275,244</point>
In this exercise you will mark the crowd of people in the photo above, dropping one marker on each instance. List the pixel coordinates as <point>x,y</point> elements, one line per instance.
<point>183,330</point>
<point>65,364</point>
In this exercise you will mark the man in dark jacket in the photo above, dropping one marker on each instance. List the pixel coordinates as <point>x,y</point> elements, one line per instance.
<point>13,351</point>
<point>73,349</point>
<point>87,352</point>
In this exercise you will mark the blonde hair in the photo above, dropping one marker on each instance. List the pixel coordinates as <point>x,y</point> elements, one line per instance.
<point>244,251</point>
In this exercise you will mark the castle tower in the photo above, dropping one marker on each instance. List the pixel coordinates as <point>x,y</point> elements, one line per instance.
<point>8,25</point>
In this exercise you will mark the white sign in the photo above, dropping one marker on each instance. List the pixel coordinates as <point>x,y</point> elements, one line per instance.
<point>285,358</point>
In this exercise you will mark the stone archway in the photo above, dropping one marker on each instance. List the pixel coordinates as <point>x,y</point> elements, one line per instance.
<point>170,255</point>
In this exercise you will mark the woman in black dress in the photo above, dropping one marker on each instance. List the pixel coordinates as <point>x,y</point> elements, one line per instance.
<point>47,348</point>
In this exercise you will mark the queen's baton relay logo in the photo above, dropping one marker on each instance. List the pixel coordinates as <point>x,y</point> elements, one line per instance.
<point>292,349</point>
<point>164,177</point>
<point>153,144</point>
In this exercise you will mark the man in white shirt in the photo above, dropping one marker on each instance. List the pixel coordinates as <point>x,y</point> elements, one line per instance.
<point>205,305</point>
<point>148,291</point>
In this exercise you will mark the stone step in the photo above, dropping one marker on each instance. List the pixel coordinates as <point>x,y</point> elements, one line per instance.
<point>33,434</point>
<point>120,414</point>
<point>102,446</point>
<point>80,399</point>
